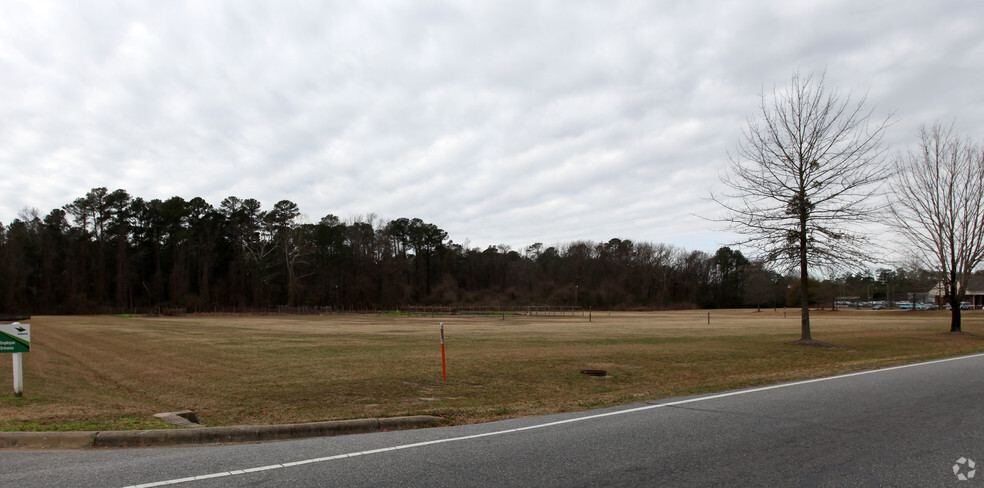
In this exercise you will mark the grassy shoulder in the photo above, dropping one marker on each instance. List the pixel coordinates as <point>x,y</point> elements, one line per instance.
<point>114,373</point>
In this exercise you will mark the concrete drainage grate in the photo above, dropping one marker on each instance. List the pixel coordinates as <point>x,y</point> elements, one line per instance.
<point>183,418</point>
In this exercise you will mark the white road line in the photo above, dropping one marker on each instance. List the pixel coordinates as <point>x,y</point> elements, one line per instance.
<point>540,426</point>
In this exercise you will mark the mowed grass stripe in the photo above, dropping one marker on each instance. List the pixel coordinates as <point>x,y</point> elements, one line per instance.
<point>106,373</point>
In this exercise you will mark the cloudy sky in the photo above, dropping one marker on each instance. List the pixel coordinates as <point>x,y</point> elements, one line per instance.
<point>500,121</point>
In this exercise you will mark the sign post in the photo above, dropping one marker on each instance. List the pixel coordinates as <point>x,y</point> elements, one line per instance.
<point>18,374</point>
<point>444,369</point>
<point>16,338</point>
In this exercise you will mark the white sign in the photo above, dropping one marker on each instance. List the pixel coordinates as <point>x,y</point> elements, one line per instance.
<point>15,337</point>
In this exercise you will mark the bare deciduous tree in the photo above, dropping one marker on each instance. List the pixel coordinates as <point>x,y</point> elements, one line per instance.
<point>800,182</point>
<point>939,208</point>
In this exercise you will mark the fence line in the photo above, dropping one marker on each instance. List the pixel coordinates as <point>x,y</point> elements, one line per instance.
<point>527,310</point>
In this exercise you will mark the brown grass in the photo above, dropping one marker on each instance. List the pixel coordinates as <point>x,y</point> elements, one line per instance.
<point>104,372</point>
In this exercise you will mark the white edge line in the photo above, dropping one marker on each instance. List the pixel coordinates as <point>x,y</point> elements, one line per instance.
<point>213,475</point>
<point>552,424</point>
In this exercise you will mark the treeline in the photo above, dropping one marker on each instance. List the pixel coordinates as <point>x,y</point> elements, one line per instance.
<point>110,252</point>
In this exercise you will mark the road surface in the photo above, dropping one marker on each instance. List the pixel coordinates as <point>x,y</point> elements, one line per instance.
<point>918,425</point>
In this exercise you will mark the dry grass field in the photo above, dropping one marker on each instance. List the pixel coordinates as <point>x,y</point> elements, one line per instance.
<point>107,372</point>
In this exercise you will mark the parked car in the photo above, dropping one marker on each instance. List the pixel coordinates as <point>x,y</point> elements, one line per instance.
<point>926,306</point>
<point>966,306</point>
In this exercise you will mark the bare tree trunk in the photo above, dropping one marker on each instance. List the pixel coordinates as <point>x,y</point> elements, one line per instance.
<point>954,297</point>
<point>805,334</point>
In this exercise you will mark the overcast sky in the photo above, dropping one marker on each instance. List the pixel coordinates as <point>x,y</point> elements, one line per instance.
<point>508,122</point>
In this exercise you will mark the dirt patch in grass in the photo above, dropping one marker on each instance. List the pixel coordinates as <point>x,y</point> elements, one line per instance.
<point>106,372</point>
<point>961,333</point>
<point>813,343</point>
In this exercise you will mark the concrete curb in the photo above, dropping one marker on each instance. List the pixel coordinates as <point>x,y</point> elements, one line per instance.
<point>208,435</point>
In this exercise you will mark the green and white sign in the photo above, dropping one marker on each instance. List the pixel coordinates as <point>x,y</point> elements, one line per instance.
<point>15,337</point>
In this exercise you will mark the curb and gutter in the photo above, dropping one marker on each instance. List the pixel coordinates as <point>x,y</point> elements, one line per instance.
<point>208,435</point>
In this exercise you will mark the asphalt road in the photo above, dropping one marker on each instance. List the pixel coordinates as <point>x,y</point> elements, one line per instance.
<point>906,426</point>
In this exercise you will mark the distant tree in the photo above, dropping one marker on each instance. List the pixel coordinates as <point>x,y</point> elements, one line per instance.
<point>691,279</point>
<point>244,228</point>
<point>92,214</point>
<point>284,227</point>
<point>328,255</point>
<point>729,274</point>
<point>53,272</point>
<point>939,208</point>
<point>137,254</point>
<point>174,213</point>
<point>654,263</point>
<point>118,228</point>
<point>533,251</point>
<point>362,277</point>
<point>205,236</point>
<point>148,243</point>
<point>800,181</point>
<point>426,239</point>
<point>5,254</point>
<point>794,292</point>
<point>762,285</point>
<point>24,239</point>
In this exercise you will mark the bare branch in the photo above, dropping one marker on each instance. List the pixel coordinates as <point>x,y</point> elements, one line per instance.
<point>939,207</point>
<point>800,182</point>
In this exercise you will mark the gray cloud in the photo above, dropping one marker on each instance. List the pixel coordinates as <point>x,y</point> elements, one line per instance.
<point>501,122</point>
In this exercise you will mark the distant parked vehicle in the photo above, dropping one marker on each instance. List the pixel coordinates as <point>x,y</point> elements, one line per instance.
<point>966,306</point>
<point>906,305</point>
<point>926,306</point>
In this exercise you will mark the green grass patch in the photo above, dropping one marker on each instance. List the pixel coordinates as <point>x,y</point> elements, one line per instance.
<point>88,425</point>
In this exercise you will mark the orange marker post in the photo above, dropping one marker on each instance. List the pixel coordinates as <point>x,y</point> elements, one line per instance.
<point>444,369</point>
